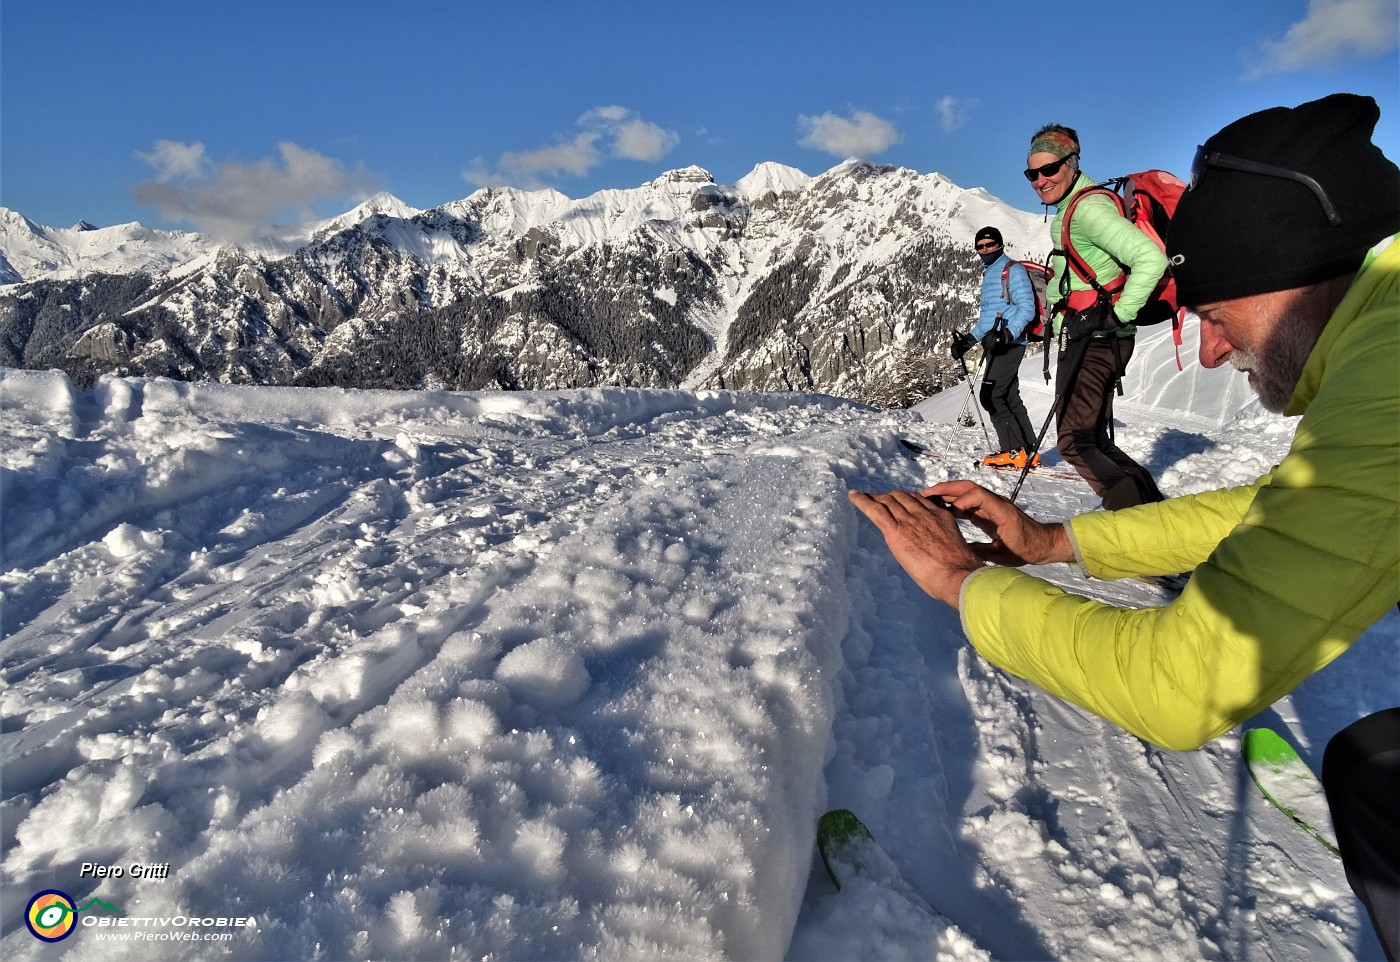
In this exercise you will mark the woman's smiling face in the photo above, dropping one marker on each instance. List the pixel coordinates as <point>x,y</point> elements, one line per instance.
<point>1050,189</point>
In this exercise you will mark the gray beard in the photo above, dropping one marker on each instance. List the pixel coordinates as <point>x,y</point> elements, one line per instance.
<point>1276,370</point>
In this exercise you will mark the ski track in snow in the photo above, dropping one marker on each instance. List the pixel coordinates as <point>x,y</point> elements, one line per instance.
<point>572,676</point>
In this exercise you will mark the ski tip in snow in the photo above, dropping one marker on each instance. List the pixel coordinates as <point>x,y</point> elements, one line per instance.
<point>888,906</point>
<point>839,832</point>
<point>1264,746</point>
<point>1288,783</point>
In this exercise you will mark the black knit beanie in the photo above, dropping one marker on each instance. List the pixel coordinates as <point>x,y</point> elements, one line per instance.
<point>986,232</point>
<point>1238,233</point>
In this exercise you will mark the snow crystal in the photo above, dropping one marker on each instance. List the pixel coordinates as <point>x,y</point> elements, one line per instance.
<point>545,673</point>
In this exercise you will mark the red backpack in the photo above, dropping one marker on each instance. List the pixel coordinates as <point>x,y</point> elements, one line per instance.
<point>1039,327</point>
<point>1148,199</point>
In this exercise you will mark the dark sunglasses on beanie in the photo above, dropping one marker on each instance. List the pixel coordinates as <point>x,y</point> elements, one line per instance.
<point>1206,159</point>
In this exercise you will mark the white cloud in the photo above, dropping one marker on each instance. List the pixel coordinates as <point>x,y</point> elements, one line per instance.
<point>861,135</point>
<point>238,201</point>
<point>173,160</point>
<point>608,132</point>
<point>953,112</point>
<point>640,140</point>
<point>602,116</point>
<point>1333,30</point>
<point>576,158</point>
<point>631,137</point>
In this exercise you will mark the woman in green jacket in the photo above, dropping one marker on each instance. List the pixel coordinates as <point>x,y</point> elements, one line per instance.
<point>1100,338</point>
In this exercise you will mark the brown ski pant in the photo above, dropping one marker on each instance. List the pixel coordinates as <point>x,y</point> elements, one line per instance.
<point>1085,417</point>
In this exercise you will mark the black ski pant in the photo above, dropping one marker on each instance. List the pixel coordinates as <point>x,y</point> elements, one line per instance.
<point>1084,421</point>
<point>1361,775</point>
<point>1001,398</point>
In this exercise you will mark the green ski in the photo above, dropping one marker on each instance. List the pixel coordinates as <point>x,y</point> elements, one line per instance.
<point>1288,783</point>
<point>847,846</point>
<point>863,870</point>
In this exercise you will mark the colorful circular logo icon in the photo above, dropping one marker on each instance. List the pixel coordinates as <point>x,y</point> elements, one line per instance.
<point>51,916</point>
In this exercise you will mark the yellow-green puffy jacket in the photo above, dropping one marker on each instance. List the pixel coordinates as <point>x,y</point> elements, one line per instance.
<point>1289,571</point>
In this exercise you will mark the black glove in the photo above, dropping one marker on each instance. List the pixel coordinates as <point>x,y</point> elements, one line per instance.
<point>1081,324</point>
<point>997,338</point>
<point>962,343</point>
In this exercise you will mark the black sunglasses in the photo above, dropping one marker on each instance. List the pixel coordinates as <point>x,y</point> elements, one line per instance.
<point>1206,159</point>
<point>987,245</point>
<point>1048,170</point>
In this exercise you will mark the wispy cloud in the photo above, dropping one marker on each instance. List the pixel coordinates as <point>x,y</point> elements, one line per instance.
<point>172,160</point>
<point>531,168</point>
<point>632,138</point>
<point>238,201</point>
<point>607,133</point>
<point>862,134</point>
<point>1332,31</point>
<point>953,112</point>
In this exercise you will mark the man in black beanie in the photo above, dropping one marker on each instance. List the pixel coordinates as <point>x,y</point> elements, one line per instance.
<point>1282,200</point>
<point>1268,290</point>
<point>1285,247</point>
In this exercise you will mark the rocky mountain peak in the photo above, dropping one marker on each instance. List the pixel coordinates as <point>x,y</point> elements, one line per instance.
<point>848,283</point>
<point>685,175</point>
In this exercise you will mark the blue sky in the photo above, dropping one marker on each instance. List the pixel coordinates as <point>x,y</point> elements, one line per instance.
<point>222,116</point>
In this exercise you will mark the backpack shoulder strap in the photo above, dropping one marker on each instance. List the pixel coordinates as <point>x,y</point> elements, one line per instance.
<point>1073,258</point>
<point>1006,284</point>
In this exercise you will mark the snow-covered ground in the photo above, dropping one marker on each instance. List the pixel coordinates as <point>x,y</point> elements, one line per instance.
<point>572,676</point>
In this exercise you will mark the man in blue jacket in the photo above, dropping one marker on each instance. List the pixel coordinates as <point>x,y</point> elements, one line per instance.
<point>1007,309</point>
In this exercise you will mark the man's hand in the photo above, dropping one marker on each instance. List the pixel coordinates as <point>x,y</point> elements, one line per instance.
<point>924,538</point>
<point>962,343</point>
<point>1017,538</point>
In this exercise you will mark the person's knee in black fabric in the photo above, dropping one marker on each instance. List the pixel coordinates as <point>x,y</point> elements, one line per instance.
<point>1361,777</point>
<point>985,397</point>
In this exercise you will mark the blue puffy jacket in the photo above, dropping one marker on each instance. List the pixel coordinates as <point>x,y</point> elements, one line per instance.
<point>1018,312</point>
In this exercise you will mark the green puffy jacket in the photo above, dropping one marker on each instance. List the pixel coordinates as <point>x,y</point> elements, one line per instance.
<point>1288,573</point>
<point>1110,244</point>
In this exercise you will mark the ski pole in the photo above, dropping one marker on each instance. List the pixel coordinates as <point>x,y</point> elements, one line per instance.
<point>972,398</point>
<point>1076,360</point>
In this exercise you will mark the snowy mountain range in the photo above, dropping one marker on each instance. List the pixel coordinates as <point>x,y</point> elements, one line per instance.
<point>845,283</point>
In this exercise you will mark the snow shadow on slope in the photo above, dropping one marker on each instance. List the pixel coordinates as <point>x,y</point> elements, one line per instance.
<point>1173,446</point>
